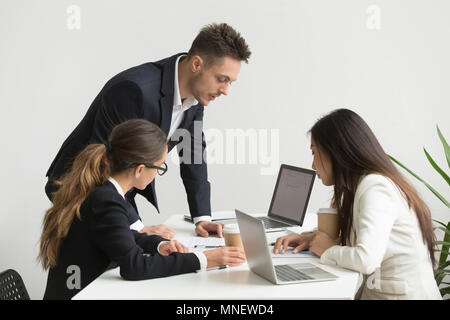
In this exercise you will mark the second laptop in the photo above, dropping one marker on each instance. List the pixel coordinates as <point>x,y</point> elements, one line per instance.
<point>290,198</point>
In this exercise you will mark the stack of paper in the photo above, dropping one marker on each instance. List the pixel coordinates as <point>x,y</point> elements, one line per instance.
<point>200,242</point>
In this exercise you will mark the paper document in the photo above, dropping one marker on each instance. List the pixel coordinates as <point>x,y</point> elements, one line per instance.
<point>217,215</point>
<point>200,242</point>
<point>290,254</point>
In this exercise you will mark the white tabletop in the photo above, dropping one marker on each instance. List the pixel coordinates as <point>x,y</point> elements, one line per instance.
<point>232,283</point>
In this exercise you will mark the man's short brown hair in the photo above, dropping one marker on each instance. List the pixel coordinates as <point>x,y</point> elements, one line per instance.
<point>217,41</point>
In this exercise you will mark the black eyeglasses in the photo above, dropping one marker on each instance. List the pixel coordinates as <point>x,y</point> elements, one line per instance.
<point>161,170</point>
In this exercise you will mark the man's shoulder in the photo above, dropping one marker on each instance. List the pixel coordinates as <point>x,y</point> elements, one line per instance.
<point>168,60</point>
<point>145,71</point>
<point>137,74</point>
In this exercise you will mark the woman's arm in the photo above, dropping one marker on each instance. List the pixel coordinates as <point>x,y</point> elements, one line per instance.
<point>109,230</point>
<point>377,213</point>
<point>148,243</point>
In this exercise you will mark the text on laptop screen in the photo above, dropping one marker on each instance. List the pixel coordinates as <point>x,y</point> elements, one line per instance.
<point>291,195</point>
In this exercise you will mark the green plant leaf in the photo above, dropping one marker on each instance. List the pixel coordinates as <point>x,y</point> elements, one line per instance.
<point>445,247</point>
<point>439,275</point>
<point>444,265</point>
<point>445,145</point>
<point>447,204</point>
<point>437,221</point>
<point>436,167</point>
<point>444,291</point>
<point>441,271</point>
<point>446,231</point>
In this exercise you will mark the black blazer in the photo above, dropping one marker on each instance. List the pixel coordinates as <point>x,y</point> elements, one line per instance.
<point>145,91</point>
<point>103,236</point>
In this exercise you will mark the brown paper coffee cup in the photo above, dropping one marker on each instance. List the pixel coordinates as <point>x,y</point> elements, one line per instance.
<point>328,222</point>
<point>232,236</point>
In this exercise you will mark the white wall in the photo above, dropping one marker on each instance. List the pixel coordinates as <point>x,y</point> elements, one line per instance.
<point>309,57</point>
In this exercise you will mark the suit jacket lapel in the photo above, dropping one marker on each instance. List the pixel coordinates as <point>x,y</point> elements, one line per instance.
<point>167,89</point>
<point>166,106</point>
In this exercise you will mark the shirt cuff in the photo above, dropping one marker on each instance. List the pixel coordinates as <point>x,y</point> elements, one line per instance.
<point>202,218</point>
<point>202,259</point>
<point>157,249</point>
<point>138,226</point>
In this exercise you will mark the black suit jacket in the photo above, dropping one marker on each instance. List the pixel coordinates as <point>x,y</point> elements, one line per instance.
<point>103,236</point>
<point>145,91</point>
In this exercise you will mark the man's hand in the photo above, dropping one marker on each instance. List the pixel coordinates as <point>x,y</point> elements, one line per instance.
<point>159,230</point>
<point>203,228</point>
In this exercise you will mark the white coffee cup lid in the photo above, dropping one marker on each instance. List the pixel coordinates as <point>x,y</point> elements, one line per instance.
<point>231,228</point>
<point>327,210</point>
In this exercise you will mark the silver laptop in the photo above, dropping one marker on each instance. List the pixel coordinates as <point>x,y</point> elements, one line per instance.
<point>290,198</point>
<point>260,260</point>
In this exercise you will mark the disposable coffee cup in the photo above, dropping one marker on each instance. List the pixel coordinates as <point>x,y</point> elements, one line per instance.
<point>232,236</point>
<point>328,222</point>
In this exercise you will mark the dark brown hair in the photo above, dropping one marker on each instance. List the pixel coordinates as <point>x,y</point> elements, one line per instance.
<point>131,143</point>
<point>216,41</point>
<point>354,151</point>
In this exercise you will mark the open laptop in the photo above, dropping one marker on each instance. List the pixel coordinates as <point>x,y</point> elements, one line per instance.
<point>290,198</point>
<point>260,260</point>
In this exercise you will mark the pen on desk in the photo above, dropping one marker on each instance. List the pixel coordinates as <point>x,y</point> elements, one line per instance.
<point>199,246</point>
<point>215,268</point>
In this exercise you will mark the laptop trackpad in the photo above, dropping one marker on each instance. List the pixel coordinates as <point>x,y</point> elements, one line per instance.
<point>312,270</point>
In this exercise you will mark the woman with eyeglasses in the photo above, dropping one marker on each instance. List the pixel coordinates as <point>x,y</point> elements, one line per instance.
<point>87,228</point>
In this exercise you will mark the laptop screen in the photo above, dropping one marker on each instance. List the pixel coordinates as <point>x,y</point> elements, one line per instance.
<point>292,191</point>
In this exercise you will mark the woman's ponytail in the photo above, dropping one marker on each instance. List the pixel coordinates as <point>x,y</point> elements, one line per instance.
<point>131,142</point>
<point>90,169</point>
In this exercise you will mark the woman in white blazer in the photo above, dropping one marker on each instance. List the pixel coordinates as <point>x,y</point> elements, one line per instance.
<point>386,231</point>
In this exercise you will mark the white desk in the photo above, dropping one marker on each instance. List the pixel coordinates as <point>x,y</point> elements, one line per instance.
<point>232,283</point>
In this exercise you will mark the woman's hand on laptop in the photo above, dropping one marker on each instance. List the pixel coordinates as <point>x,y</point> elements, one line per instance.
<point>230,256</point>
<point>299,242</point>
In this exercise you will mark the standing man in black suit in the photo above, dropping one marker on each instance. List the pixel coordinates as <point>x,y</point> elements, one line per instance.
<point>171,93</point>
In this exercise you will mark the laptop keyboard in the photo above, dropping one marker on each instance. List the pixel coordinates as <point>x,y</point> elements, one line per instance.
<point>287,273</point>
<point>272,224</point>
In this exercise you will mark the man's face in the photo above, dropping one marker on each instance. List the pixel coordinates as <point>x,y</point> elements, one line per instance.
<point>207,84</point>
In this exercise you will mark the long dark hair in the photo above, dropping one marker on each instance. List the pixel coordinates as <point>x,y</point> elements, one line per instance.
<point>131,142</point>
<point>354,151</point>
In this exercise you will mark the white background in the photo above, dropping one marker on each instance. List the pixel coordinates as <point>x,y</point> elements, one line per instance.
<point>309,57</point>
